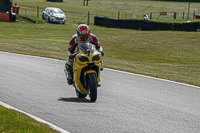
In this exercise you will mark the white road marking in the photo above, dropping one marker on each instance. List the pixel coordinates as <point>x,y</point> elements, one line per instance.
<point>153,78</point>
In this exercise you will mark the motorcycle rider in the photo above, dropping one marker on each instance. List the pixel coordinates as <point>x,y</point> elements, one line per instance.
<point>82,36</point>
<point>146,18</point>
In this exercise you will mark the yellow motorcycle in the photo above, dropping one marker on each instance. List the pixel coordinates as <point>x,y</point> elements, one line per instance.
<point>87,63</point>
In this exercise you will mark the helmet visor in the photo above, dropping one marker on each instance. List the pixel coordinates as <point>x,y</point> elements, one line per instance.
<point>84,37</point>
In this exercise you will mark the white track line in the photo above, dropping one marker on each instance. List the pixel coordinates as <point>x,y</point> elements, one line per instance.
<point>34,117</point>
<point>153,78</point>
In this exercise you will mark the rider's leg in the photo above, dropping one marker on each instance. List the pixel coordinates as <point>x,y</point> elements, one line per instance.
<point>69,74</point>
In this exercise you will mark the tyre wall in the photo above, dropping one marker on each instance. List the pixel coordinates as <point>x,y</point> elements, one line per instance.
<point>144,25</point>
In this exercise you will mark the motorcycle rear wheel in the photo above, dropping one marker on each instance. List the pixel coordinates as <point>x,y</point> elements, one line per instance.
<point>92,87</point>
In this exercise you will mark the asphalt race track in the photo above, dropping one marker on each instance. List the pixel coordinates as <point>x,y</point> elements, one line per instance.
<point>126,103</point>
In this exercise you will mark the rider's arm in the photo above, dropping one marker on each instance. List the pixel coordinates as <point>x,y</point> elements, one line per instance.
<point>96,42</point>
<point>72,46</point>
<point>101,49</point>
<point>68,53</point>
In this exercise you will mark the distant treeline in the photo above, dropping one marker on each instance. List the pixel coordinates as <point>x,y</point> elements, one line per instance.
<point>178,0</point>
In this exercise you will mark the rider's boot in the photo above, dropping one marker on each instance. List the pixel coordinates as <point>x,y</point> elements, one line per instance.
<point>101,69</point>
<point>99,85</point>
<point>69,74</point>
<point>70,78</point>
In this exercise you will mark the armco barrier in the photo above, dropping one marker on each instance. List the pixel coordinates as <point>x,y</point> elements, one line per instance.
<point>144,25</point>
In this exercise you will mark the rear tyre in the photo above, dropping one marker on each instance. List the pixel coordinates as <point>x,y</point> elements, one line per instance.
<point>49,20</point>
<point>92,87</point>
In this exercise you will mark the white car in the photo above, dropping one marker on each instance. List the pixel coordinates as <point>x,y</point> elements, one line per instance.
<point>53,14</point>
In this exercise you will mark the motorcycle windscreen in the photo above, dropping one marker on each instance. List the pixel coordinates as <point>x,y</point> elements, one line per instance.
<point>86,47</point>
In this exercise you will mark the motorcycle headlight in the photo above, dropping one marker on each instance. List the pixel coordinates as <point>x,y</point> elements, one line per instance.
<point>96,57</point>
<point>82,58</point>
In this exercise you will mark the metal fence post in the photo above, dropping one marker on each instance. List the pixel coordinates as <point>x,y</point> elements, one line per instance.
<point>193,14</point>
<point>38,12</point>
<point>174,15</point>
<point>189,10</point>
<point>88,18</point>
<point>150,15</point>
<point>15,8</point>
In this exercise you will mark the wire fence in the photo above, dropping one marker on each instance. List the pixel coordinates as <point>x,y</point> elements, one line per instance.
<point>87,18</point>
<point>70,17</point>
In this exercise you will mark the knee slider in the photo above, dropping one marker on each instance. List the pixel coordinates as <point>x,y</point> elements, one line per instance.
<point>68,67</point>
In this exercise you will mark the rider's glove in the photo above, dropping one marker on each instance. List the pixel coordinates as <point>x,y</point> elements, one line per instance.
<point>102,53</point>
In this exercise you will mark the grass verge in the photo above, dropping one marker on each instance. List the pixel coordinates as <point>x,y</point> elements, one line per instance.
<point>15,122</point>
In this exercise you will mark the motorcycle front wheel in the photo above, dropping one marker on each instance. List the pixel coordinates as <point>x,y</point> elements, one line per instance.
<point>92,86</point>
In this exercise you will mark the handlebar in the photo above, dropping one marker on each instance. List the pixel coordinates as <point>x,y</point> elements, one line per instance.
<point>72,56</point>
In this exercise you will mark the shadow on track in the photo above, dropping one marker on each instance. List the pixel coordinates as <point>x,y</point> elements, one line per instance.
<point>75,99</point>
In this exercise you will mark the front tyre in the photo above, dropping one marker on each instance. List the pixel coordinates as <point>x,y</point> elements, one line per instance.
<point>49,21</point>
<point>92,86</point>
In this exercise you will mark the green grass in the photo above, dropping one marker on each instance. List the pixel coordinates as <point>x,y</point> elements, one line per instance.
<point>15,122</point>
